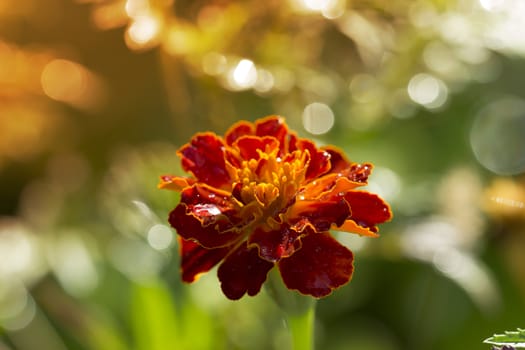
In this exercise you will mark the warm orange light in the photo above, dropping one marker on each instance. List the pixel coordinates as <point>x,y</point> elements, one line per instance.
<point>110,15</point>
<point>70,82</point>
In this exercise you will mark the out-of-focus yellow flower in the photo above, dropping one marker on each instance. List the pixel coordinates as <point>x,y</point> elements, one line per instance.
<point>505,199</point>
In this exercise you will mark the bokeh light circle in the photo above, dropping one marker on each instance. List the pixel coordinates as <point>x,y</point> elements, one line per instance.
<point>497,136</point>
<point>318,118</point>
<point>160,237</point>
<point>427,90</point>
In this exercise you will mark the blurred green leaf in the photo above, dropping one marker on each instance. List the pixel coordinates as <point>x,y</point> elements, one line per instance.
<point>153,317</point>
<point>103,335</point>
<point>199,328</point>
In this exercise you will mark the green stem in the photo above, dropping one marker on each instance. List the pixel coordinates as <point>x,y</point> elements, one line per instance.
<point>302,329</point>
<point>299,311</point>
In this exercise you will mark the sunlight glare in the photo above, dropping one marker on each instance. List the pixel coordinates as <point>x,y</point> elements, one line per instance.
<point>244,75</point>
<point>143,31</point>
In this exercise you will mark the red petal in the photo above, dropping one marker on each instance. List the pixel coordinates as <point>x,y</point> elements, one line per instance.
<point>196,260</point>
<point>239,129</point>
<point>367,209</point>
<point>338,160</point>
<point>189,226</point>
<point>319,215</point>
<point>208,215</point>
<point>319,159</point>
<point>243,271</point>
<point>358,172</point>
<point>248,146</point>
<point>276,127</point>
<point>204,157</point>
<point>271,126</point>
<point>292,142</point>
<point>320,266</point>
<point>200,194</point>
<point>341,165</point>
<point>277,244</point>
<point>212,206</point>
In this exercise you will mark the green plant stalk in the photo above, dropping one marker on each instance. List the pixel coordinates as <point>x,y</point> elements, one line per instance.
<point>299,311</point>
<point>302,329</point>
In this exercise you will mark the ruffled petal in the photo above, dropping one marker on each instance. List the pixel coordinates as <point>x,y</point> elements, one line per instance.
<point>250,146</point>
<point>207,215</point>
<point>190,227</point>
<point>239,129</point>
<point>212,205</point>
<point>276,127</point>
<point>319,159</point>
<point>196,260</point>
<point>320,266</point>
<point>368,209</point>
<point>174,183</point>
<point>338,160</point>
<point>358,172</point>
<point>204,157</point>
<point>243,271</point>
<point>271,126</point>
<point>276,244</point>
<point>328,187</point>
<point>319,215</point>
<point>341,165</point>
<point>352,227</point>
<point>201,193</point>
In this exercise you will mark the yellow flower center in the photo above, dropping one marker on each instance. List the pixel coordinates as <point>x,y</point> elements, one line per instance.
<point>269,183</point>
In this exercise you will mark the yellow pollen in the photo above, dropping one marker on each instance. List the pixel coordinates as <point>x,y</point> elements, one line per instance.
<point>269,183</point>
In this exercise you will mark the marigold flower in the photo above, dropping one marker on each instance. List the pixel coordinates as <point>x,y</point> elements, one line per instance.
<point>262,197</point>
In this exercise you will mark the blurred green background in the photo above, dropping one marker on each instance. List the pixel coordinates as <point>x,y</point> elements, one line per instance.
<point>97,95</point>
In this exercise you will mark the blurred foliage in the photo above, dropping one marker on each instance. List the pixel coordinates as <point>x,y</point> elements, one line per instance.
<point>96,96</point>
